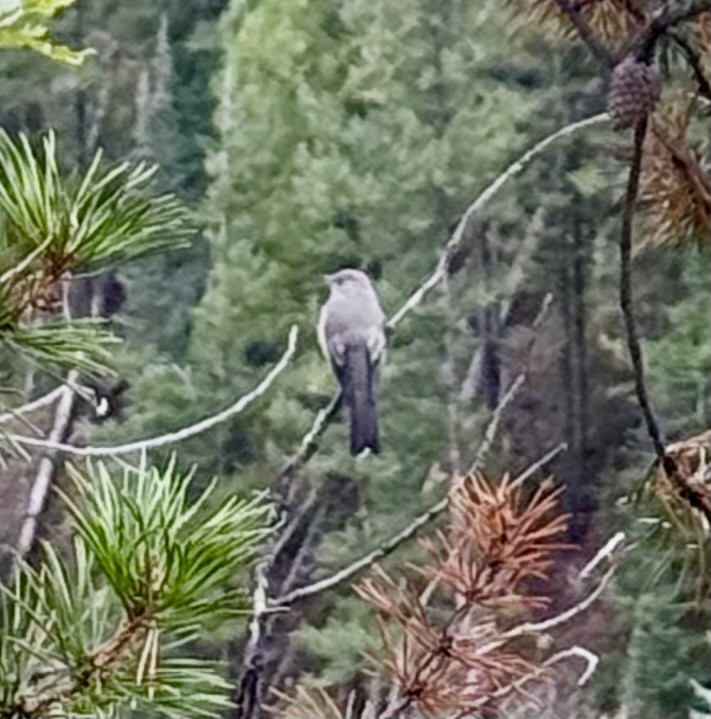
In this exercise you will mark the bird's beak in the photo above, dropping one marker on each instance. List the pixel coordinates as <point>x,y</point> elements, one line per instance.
<point>327,279</point>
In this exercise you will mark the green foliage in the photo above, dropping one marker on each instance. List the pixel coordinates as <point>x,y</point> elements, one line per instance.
<point>148,570</point>
<point>351,628</point>
<point>678,358</point>
<point>665,648</point>
<point>25,24</point>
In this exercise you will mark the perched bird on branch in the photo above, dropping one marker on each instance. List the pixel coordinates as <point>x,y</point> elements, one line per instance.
<point>351,332</point>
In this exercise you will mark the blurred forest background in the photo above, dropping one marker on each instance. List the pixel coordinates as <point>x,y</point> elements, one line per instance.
<point>311,135</point>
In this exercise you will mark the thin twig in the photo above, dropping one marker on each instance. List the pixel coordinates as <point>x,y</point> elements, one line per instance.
<point>309,444</point>
<point>38,403</point>
<point>510,395</point>
<point>492,427</point>
<point>547,458</point>
<point>591,658</point>
<point>626,297</point>
<point>352,569</point>
<point>576,651</point>
<point>605,552</point>
<point>475,208</point>
<point>382,551</point>
<point>180,435</point>
<point>563,617</point>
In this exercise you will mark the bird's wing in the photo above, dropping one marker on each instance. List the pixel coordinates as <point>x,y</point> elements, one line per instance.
<point>322,336</point>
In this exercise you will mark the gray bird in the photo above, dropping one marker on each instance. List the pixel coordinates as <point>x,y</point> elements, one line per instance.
<point>351,332</point>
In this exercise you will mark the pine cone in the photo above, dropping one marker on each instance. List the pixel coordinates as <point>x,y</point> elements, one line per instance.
<point>634,90</point>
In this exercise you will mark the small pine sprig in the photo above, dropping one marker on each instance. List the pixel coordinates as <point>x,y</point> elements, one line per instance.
<point>454,657</point>
<point>53,225</point>
<point>94,636</point>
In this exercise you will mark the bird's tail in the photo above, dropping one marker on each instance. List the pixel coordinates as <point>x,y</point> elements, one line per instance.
<point>359,390</point>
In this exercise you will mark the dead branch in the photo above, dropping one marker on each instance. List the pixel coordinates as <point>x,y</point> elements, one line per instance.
<point>592,660</point>
<point>35,404</point>
<point>476,207</point>
<point>547,458</point>
<point>180,435</point>
<point>40,487</point>
<point>563,617</point>
<point>607,551</point>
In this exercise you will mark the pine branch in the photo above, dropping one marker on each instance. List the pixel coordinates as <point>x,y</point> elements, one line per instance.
<point>101,660</point>
<point>179,435</point>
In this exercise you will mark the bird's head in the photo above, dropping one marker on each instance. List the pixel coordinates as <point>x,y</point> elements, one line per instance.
<point>348,279</point>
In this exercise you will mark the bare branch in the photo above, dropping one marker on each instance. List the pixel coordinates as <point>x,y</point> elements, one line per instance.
<point>180,435</point>
<point>493,427</point>
<point>382,551</point>
<point>591,658</point>
<point>510,395</point>
<point>309,444</point>
<point>547,458</point>
<point>475,208</point>
<point>563,617</point>
<point>35,404</point>
<point>40,486</point>
<point>605,552</point>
